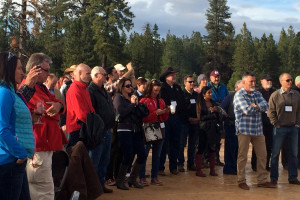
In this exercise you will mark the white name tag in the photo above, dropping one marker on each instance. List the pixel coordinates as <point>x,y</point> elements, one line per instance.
<point>192,101</point>
<point>174,103</point>
<point>162,125</point>
<point>288,108</point>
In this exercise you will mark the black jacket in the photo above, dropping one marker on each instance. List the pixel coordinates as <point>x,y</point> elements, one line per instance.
<point>102,103</point>
<point>174,93</point>
<point>266,94</point>
<point>190,104</point>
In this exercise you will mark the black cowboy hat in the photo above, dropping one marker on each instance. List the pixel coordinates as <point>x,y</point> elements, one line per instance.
<point>166,72</point>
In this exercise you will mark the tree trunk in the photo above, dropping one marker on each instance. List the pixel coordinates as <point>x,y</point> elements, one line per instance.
<point>104,61</point>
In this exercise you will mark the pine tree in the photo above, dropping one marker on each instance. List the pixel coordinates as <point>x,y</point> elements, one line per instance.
<point>220,37</point>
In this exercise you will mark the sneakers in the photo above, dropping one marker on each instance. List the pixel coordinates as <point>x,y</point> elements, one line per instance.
<point>181,168</point>
<point>110,182</point>
<point>155,181</point>
<point>143,181</point>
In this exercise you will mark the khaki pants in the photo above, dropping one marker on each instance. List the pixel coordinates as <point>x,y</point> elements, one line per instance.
<point>259,145</point>
<point>39,175</point>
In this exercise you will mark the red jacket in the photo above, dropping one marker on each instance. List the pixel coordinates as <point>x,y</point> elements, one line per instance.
<point>79,104</point>
<point>48,135</point>
<point>151,105</point>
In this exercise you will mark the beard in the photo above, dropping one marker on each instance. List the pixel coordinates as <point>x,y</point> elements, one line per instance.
<point>252,89</point>
<point>269,86</point>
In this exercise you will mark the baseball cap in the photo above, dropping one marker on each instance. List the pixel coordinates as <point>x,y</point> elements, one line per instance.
<point>215,73</point>
<point>119,67</point>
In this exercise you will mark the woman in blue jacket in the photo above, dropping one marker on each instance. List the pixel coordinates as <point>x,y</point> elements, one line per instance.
<point>16,135</point>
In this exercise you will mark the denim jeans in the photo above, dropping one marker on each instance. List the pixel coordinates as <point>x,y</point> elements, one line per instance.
<point>100,156</point>
<point>279,135</point>
<point>231,149</point>
<point>156,150</point>
<point>188,131</point>
<point>132,143</point>
<point>171,142</point>
<point>13,182</point>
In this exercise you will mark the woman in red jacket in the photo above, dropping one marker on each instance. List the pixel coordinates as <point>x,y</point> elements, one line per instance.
<point>157,113</point>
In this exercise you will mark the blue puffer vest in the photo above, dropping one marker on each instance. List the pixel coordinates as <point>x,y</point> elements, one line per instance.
<point>23,126</point>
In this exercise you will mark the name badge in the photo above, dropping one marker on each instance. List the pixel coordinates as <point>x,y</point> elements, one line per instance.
<point>288,108</point>
<point>174,103</point>
<point>193,101</point>
<point>162,125</point>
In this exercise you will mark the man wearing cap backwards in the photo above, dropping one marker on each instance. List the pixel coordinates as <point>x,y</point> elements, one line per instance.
<point>284,114</point>
<point>121,70</point>
<point>172,94</point>
<point>219,92</point>
<point>266,90</point>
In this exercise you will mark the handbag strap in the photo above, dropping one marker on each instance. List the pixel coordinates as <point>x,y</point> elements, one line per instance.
<point>158,107</point>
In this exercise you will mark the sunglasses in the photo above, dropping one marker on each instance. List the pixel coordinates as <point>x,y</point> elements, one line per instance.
<point>190,81</point>
<point>289,80</point>
<point>127,86</point>
<point>10,55</point>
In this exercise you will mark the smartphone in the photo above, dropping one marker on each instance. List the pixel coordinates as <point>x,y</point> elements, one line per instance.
<point>38,66</point>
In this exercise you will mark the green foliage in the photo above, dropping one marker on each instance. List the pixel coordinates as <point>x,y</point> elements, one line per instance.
<point>234,78</point>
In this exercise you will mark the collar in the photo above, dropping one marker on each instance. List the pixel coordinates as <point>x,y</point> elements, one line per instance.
<point>80,85</point>
<point>139,93</point>
<point>282,91</point>
<point>189,91</point>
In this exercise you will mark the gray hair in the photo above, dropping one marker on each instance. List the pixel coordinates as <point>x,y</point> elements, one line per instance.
<point>96,70</point>
<point>246,74</point>
<point>237,83</point>
<point>37,59</point>
<point>281,76</point>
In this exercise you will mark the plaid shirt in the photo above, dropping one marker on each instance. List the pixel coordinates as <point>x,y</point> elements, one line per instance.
<point>248,118</point>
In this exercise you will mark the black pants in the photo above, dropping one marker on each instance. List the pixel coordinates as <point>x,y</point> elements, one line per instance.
<point>115,158</point>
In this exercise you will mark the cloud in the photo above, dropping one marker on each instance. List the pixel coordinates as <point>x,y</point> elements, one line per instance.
<point>169,8</point>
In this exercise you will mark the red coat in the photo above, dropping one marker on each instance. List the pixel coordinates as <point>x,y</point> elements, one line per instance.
<point>151,105</point>
<point>79,104</point>
<point>48,135</point>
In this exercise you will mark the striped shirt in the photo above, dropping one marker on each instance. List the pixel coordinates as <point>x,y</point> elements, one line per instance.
<point>248,118</point>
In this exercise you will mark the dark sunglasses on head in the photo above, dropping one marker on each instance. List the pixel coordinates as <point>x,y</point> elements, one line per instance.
<point>10,55</point>
<point>289,80</point>
<point>190,81</point>
<point>127,86</point>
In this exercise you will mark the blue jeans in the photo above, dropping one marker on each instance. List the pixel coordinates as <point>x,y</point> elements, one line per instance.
<point>156,150</point>
<point>132,143</point>
<point>279,135</point>
<point>13,182</point>
<point>171,142</point>
<point>188,131</point>
<point>100,156</point>
<point>231,149</point>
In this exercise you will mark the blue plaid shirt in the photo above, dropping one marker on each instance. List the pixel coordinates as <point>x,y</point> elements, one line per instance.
<point>248,118</point>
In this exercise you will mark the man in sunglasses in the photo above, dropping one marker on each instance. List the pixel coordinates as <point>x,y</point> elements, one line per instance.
<point>189,126</point>
<point>284,114</point>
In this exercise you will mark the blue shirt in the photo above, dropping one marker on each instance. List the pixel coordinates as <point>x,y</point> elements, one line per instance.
<point>248,118</point>
<point>10,149</point>
<point>219,93</point>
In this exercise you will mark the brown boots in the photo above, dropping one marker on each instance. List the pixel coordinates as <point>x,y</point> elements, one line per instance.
<point>198,161</point>
<point>212,163</point>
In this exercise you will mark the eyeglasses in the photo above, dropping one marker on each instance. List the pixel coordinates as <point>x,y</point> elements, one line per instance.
<point>46,70</point>
<point>289,80</point>
<point>127,86</point>
<point>190,81</point>
<point>10,55</point>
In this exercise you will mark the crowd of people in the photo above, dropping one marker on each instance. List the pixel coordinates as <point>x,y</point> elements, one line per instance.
<point>102,118</point>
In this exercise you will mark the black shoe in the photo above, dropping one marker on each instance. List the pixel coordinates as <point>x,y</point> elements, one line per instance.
<point>106,190</point>
<point>273,182</point>
<point>230,173</point>
<point>191,168</point>
<point>219,163</point>
<point>254,169</point>
<point>295,182</point>
<point>174,171</point>
<point>181,168</point>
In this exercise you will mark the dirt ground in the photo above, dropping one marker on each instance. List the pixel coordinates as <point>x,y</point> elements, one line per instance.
<point>187,186</point>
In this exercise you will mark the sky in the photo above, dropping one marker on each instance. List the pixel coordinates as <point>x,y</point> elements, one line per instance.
<point>182,17</point>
